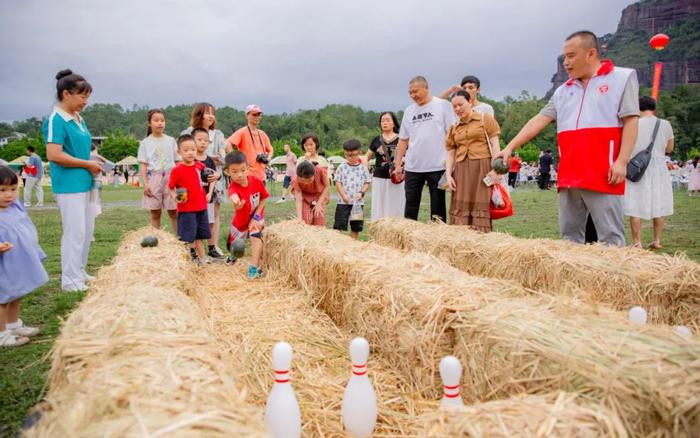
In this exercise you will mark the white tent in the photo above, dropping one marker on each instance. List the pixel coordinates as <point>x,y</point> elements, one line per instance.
<point>128,161</point>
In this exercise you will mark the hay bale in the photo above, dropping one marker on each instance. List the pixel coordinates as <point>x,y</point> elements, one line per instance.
<point>136,358</point>
<point>249,317</point>
<point>415,309</point>
<point>556,414</point>
<point>667,286</point>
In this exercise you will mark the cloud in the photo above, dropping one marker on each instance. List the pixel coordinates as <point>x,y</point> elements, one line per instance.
<point>283,55</point>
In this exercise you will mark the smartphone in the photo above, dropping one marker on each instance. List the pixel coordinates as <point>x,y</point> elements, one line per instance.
<point>488,180</point>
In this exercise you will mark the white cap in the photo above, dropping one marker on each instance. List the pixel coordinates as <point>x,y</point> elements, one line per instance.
<point>253,108</point>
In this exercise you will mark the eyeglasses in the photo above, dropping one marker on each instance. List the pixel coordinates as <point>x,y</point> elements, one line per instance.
<point>256,114</point>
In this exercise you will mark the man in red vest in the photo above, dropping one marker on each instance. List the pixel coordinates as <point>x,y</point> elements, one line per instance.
<point>597,113</point>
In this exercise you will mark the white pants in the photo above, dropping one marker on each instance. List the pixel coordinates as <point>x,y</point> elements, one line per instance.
<point>388,199</point>
<point>78,221</point>
<point>31,183</point>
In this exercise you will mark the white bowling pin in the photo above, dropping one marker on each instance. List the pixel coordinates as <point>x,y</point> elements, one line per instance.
<point>451,374</point>
<point>638,315</point>
<point>683,331</point>
<point>359,407</point>
<point>282,415</point>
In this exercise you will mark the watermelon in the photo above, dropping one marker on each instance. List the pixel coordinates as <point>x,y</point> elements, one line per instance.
<point>149,242</point>
<point>238,248</point>
<point>499,166</point>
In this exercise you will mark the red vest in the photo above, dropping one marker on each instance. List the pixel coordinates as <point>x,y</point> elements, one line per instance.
<point>589,129</point>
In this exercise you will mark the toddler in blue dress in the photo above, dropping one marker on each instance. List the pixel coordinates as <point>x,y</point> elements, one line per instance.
<point>21,258</point>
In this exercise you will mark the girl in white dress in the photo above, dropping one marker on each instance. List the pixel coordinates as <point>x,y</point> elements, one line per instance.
<point>651,197</point>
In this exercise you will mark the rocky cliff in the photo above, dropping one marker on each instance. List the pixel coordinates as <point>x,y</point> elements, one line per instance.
<point>629,47</point>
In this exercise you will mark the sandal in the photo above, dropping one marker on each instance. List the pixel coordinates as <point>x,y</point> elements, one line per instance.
<point>636,245</point>
<point>655,245</point>
<point>9,339</point>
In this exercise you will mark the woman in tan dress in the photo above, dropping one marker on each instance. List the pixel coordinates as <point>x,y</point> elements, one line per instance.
<point>470,144</point>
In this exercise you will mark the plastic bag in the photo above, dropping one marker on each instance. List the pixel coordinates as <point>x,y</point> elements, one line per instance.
<point>506,209</point>
<point>443,184</point>
<point>357,213</point>
<point>497,199</point>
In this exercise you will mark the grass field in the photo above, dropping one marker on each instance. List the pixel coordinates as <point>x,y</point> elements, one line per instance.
<point>23,370</point>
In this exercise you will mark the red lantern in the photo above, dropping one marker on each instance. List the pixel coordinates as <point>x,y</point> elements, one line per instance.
<point>659,41</point>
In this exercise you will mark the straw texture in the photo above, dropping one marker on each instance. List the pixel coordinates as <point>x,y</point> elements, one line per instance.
<point>414,309</point>
<point>551,415</point>
<point>667,286</point>
<point>136,358</point>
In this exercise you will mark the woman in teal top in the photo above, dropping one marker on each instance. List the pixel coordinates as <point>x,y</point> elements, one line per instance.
<point>68,144</point>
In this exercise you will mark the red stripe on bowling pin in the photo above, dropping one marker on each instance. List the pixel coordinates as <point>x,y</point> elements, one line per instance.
<point>359,370</point>
<point>448,391</point>
<point>282,376</point>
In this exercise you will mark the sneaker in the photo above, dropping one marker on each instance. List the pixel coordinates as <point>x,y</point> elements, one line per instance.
<point>27,205</point>
<point>9,339</point>
<point>215,252</point>
<point>23,330</point>
<point>78,288</point>
<point>255,272</point>
<point>193,255</point>
<point>89,278</point>
<point>230,260</point>
<point>281,200</point>
<point>41,204</point>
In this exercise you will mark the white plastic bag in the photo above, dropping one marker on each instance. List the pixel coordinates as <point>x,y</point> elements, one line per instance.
<point>497,199</point>
<point>357,214</point>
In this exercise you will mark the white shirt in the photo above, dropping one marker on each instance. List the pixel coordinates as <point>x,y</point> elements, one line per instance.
<point>483,108</point>
<point>425,128</point>
<point>159,153</point>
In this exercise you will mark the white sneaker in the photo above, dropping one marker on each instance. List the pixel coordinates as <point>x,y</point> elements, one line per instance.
<point>41,204</point>
<point>24,330</point>
<point>89,278</point>
<point>281,200</point>
<point>77,288</point>
<point>9,339</point>
<point>27,205</point>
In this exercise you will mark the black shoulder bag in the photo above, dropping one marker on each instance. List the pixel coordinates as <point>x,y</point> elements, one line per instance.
<point>639,163</point>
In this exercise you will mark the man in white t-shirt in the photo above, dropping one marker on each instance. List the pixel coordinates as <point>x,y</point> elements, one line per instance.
<point>423,128</point>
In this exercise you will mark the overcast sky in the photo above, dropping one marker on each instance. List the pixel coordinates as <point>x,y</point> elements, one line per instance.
<point>284,55</point>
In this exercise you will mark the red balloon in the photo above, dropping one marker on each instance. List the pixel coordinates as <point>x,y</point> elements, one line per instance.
<point>659,41</point>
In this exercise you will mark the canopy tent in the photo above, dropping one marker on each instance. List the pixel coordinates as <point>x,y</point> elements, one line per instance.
<point>128,161</point>
<point>278,161</point>
<point>336,160</point>
<point>20,160</point>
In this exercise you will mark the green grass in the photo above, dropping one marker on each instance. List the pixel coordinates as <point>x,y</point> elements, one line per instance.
<point>23,370</point>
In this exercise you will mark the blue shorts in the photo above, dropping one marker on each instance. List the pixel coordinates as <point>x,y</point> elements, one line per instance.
<point>287,181</point>
<point>193,225</point>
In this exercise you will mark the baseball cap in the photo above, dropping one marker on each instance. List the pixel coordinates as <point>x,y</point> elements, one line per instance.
<point>252,108</point>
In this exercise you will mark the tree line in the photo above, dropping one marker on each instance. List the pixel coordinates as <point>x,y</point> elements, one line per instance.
<point>335,123</point>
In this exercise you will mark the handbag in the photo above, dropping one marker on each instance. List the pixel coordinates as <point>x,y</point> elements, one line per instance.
<point>503,207</point>
<point>639,163</point>
<point>389,162</point>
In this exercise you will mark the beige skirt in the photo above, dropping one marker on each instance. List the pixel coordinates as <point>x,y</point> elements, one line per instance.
<point>470,202</point>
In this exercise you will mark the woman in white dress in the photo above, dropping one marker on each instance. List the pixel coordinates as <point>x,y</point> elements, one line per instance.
<point>652,196</point>
<point>388,198</point>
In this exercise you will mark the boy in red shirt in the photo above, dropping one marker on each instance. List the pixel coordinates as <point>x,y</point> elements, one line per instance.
<point>248,195</point>
<point>186,177</point>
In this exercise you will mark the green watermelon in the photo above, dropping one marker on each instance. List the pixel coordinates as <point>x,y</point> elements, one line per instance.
<point>149,242</point>
<point>238,248</point>
<point>499,166</point>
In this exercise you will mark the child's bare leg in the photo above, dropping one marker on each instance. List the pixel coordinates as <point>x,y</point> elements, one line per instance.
<point>354,234</point>
<point>199,248</point>
<point>3,316</point>
<point>173,220</point>
<point>256,244</point>
<point>155,219</point>
<point>12,311</point>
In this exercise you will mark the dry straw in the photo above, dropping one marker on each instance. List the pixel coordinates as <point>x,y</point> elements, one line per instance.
<point>136,358</point>
<point>249,317</point>
<point>414,309</point>
<point>668,286</point>
<point>552,415</point>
